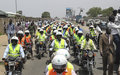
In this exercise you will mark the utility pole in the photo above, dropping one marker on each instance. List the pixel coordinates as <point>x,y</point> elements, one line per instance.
<point>16,5</point>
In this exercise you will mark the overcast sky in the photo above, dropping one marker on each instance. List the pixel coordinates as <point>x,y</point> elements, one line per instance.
<point>55,7</point>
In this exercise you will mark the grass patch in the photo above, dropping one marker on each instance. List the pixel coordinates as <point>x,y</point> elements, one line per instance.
<point>1,63</point>
<point>0,34</point>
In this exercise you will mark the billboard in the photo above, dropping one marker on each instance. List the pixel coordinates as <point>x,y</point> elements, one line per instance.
<point>68,12</point>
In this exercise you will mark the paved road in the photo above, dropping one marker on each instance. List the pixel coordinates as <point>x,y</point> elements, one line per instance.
<point>37,67</point>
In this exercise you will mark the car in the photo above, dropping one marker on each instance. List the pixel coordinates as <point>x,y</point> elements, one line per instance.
<point>90,22</point>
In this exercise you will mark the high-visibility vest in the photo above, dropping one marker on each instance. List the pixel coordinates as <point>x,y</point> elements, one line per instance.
<point>42,37</point>
<point>57,46</point>
<point>15,52</point>
<point>53,37</point>
<point>79,39</point>
<point>66,34</point>
<point>69,65</point>
<point>26,39</point>
<point>52,72</point>
<point>89,45</point>
<point>37,33</point>
<point>92,32</point>
<point>20,42</point>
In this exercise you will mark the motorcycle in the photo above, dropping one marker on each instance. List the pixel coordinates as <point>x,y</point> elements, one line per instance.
<point>41,50</point>
<point>87,61</point>
<point>13,65</point>
<point>28,47</point>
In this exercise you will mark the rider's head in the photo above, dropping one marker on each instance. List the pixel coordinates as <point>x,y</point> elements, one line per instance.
<point>63,52</point>
<point>76,30</point>
<point>114,12</point>
<point>65,27</point>
<point>38,29</point>
<point>27,32</point>
<point>87,36</point>
<point>91,27</point>
<point>72,26</point>
<point>20,34</point>
<point>59,63</point>
<point>59,35</point>
<point>112,19</point>
<point>79,33</point>
<point>14,40</point>
<point>41,31</point>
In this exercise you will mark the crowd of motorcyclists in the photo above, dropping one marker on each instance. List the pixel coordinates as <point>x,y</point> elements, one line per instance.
<point>56,38</point>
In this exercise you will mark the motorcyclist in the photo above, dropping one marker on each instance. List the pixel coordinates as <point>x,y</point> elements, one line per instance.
<point>92,31</point>
<point>59,64</point>
<point>27,40</point>
<point>41,38</point>
<point>65,53</point>
<point>58,43</point>
<point>14,50</point>
<point>87,43</point>
<point>78,41</point>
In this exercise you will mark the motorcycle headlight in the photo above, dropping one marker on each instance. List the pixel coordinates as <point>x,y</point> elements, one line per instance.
<point>90,54</point>
<point>40,43</point>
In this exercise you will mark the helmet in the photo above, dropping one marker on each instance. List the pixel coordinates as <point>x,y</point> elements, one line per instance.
<point>72,26</point>
<point>39,29</point>
<point>63,52</point>
<point>54,27</point>
<point>76,29</point>
<point>42,27</point>
<point>59,60</point>
<point>20,32</point>
<point>91,26</point>
<point>14,38</point>
<point>80,32</point>
<point>65,26</point>
<point>55,31</point>
<point>59,33</point>
<point>27,31</point>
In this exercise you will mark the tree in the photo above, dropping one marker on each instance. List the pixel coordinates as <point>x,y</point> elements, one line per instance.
<point>107,12</point>
<point>45,15</point>
<point>94,12</point>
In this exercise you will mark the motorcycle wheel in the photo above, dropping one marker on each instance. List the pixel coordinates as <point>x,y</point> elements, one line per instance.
<point>90,70</point>
<point>39,56</point>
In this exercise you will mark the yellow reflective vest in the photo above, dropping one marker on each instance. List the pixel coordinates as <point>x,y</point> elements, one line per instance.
<point>15,52</point>
<point>69,65</point>
<point>57,46</point>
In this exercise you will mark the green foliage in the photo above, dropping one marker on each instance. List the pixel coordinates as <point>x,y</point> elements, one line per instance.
<point>94,12</point>
<point>45,15</point>
<point>107,12</point>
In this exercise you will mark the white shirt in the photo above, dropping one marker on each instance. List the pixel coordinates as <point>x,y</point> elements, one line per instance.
<point>114,28</point>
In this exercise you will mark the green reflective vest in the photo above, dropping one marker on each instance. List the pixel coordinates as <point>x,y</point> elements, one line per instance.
<point>79,40</point>
<point>57,46</point>
<point>53,37</point>
<point>42,37</point>
<point>92,32</point>
<point>15,52</point>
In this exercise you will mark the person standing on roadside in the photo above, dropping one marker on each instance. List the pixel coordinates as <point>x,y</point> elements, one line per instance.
<point>10,30</point>
<point>107,51</point>
<point>116,38</point>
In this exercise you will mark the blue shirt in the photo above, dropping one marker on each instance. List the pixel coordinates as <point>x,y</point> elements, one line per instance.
<point>7,51</point>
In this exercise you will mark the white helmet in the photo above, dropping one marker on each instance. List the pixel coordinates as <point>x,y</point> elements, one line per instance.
<point>63,52</point>
<point>72,25</point>
<point>91,26</point>
<point>80,32</point>
<point>42,27</point>
<point>41,30</point>
<point>59,60</point>
<point>27,31</point>
<point>59,33</point>
<point>14,38</point>
<point>65,26</point>
<point>76,29</point>
<point>55,31</point>
<point>20,32</point>
<point>54,27</point>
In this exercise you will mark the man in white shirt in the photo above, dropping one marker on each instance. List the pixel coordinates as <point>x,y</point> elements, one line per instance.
<point>116,38</point>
